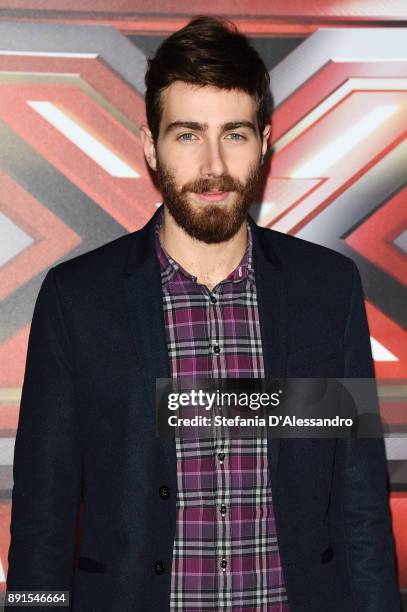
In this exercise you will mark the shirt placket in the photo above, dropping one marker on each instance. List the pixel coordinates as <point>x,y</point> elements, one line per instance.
<point>221,446</point>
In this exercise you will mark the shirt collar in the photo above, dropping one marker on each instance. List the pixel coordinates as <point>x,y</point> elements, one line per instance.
<point>169,267</point>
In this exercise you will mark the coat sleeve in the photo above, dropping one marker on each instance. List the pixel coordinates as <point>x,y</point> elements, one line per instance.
<point>47,457</point>
<point>367,523</point>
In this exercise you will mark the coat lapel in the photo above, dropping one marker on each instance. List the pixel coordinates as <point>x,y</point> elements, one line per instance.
<point>144,296</point>
<point>144,299</point>
<point>271,297</point>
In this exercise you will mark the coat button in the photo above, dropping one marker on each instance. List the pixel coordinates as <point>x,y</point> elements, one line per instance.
<point>164,492</point>
<point>159,567</point>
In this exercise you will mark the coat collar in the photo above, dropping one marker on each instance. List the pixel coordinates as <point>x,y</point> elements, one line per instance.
<point>144,295</point>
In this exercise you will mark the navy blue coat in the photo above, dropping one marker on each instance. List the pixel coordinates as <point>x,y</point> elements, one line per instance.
<point>87,429</point>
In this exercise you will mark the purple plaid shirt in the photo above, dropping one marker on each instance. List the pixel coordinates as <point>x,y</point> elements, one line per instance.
<point>225,554</point>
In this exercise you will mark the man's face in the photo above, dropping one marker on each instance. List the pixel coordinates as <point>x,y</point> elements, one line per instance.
<point>208,158</point>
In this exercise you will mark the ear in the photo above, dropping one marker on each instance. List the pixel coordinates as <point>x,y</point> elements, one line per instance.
<point>148,146</point>
<point>265,140</point>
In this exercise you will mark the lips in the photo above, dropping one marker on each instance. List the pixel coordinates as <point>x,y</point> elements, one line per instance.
<point>213,196</point>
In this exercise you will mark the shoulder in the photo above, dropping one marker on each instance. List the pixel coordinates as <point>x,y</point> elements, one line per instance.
<point>313,273</point>
<point>300,256</point>
<point>101,264</point>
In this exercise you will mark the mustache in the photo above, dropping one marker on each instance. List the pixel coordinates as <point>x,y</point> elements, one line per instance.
<point>223,183</point>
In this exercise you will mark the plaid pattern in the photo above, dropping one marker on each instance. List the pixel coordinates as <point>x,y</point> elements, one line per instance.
<point>225,555</point>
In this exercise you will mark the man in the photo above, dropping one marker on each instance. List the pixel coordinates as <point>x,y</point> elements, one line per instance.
<point>201,290</point>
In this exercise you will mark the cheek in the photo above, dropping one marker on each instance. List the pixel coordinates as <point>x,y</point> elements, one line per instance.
<point>239,159</point>
<point>240,170</point>
<point>183,169</point>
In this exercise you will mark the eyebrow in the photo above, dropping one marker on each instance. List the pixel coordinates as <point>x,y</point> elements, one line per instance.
<point>202,127</point>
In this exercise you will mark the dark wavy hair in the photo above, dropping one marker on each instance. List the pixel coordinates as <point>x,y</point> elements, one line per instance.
<point>207,51</point>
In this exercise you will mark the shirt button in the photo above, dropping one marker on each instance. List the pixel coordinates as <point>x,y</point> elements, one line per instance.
<point>164,492</point>
<point>223,564</point>
<point>221,457</point>
<point>213,299</point>
<point>223,509</point>
<point>216,349</point>
<point>159,567</point>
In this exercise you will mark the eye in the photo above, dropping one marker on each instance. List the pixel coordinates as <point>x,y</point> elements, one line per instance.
<point>236,136</point>
<point>187,137</point>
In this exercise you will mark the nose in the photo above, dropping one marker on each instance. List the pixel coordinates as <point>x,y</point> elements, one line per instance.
<point>212,162</point>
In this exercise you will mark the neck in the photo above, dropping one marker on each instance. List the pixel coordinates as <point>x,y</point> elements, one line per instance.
<point>210,263</point>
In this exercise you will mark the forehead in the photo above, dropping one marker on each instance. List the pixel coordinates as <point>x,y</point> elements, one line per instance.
<point>184,101</point>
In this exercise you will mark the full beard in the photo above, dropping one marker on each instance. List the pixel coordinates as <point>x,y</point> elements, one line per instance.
<point>210,223</point>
